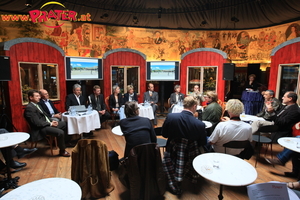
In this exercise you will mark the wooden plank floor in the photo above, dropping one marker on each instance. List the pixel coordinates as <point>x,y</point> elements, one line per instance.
<point>42,165</point>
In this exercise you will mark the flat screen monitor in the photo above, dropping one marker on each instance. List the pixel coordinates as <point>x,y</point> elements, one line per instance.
<point>162,71</point>
<point>79,68</point>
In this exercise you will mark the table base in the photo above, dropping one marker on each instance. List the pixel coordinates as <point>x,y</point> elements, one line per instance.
<point>10,183</point>
<point>221,192</point>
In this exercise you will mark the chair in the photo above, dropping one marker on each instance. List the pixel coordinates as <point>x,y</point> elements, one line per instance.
<point>259,139</point>
<point>90,168</point>
<point>50,139</point>
<point>245,144</point>
<point>162,143</point>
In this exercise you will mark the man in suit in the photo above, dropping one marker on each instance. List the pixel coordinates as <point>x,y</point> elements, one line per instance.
<point>75,98</point>
<point>41,125</point>
<point>184,124</point>
<point>152,97</point>
<point>285,117</point>
<point>175,97</point>
<point>97,102</point>
<point>48,107</point>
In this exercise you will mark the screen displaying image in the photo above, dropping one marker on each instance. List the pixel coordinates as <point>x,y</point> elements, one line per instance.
<point>83,68</point>
<point>163,70</point>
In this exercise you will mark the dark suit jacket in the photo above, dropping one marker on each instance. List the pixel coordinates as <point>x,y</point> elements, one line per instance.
<point>45,108</point>
<point>94,102</point>
<point>173,98</point>
<point>72,101</point>
<point>37,120</point>
<point>153,98</point>
<point>112,101</point>
<point>126,97</point>
<point>184,125</point>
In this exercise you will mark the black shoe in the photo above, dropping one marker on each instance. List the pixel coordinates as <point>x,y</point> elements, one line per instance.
<point>15,164</point>
<point>291,174</point>
<point>26,152</point>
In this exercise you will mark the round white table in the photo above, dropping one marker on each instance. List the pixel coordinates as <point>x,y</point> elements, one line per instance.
<point>232,171</point>
<point>289,143</point>
<point>250,118</point>
<point>8,140</point>
<point>46,189</point>
<point>82,123</point>
<point>144,111</point>
<point>117,130</point>
<point>178,108</point>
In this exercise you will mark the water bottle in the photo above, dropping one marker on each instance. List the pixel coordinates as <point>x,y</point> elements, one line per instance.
<point>199,114</point>
<point>89,109</point>
<point>73,112</point>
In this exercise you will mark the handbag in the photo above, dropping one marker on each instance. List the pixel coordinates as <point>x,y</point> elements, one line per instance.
<point>113,160</point>
<point>122,172</point>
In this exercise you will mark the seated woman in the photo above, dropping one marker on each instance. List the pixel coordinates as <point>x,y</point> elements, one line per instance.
<point>130,95</point>
<point>231,129</point>
<point>115,100</point>
<point>196,93</point>
<point>175,97</point>
<point>136,130</point>
<point>213,111</point>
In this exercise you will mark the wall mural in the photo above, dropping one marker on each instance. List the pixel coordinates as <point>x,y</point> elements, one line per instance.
<point>93,40</point>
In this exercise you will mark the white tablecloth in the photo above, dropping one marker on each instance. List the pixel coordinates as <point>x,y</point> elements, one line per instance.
<point>83,123</point>
<point>145,111</point>
<point>232,170</point>
<point>250,118</point>
<point>11,139</point>
<point>178,108</point>
<point>46,189</point>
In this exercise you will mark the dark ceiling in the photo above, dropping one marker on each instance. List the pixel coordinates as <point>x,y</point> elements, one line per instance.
<point>175,14</point>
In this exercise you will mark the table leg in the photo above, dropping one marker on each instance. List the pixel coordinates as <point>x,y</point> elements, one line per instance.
<point>221,191</point>
<point>9,182</point>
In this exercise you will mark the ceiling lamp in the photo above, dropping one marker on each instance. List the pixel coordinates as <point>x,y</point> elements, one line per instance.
<point>29,3</point>
<point>203,23</point>
<point>234,19</point>
<point>135,20</point>
<point>104,16</point>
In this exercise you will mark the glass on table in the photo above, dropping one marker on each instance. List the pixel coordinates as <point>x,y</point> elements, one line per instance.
<point>216,161</point>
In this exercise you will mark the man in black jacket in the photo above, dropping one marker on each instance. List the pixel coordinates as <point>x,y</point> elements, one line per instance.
<point>48,106</point>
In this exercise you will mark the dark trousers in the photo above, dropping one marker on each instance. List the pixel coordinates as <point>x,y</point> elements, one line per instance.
<point>59,132</point>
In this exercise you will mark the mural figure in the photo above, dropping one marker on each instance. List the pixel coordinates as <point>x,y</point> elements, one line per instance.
<point>243,40</point>
<point>292,31</point>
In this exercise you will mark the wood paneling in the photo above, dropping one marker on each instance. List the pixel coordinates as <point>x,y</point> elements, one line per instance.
<point>31,52</point>
<point>286,55</point>
<point>123,58</point>
<point>203,58</point>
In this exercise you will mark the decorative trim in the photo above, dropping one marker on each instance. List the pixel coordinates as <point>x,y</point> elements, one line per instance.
<point>124,49</point>
<point>292,41</point>
<point>222,53</point>
<point>6,45</point>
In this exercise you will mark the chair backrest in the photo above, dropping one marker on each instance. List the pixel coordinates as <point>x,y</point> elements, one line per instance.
<point>268,128</point>
<point>158,130</point>
<point>245,144</point>
<point>169,102</point>
<point>107,103</point>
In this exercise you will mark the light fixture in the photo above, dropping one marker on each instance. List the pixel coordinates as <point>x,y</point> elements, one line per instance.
<point>135,20</point>
<point>203,23</point>
<point>159,13</point>
<point>234,19</point>
<point>104,16</point>
<point>29,3</point>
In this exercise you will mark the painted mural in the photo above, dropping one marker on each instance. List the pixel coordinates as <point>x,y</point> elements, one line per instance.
<point>93,40</point>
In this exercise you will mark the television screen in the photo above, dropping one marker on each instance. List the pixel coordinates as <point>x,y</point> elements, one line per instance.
<point>83,68</point>
<point>163,71</point>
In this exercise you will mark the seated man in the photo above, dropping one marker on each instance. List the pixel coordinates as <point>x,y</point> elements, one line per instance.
<point>152,97</point>
<point>269,98</point>
<point>41,125</point>
<point>97,101</point>
<point>213,111</point>
<point>16,151</point>
<point>48,107</point>
<point>285,117</point>
<point>136,130</point>
<point>231,129</point>
<point>185,135</point>
<point>75,98</point>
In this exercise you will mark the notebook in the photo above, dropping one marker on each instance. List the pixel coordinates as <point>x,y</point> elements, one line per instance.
<point>80,108</point>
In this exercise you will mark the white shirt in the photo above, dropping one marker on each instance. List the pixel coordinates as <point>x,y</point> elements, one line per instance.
<point>78,100</point>
<point>46,101</point>
<point>229,131</point>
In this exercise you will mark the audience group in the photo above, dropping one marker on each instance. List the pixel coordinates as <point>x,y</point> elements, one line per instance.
<point>184,132</point>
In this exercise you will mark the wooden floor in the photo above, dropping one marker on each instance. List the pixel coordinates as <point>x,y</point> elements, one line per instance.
<point>42,165</point>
